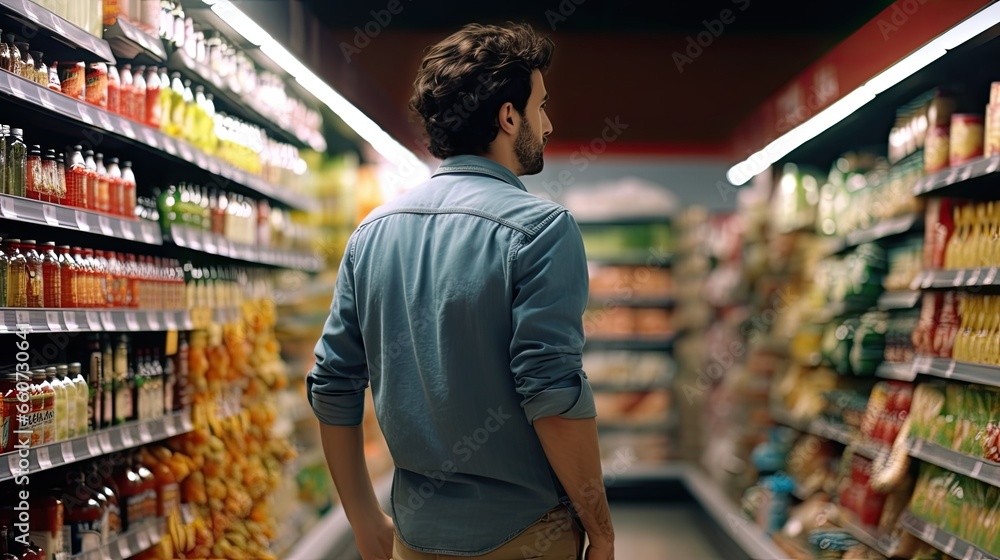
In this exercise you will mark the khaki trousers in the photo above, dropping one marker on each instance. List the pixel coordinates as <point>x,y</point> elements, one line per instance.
<point>556,536</point>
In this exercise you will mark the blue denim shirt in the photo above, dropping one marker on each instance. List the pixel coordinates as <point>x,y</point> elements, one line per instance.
<point>461,302</point>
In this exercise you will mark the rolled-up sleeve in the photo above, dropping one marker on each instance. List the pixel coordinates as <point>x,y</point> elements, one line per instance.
<point>336,385</point>
<point>550,295</point>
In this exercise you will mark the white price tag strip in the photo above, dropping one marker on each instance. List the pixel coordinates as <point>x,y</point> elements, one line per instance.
<point>186,422</point>
<point>959,279</point>
<point>66,448</point>
<point>7,207</point>
<point>127,439</point>
<point>128,229</point>
<point>153,319</point>
<point>52,318</point>
<point>81,221</point>
<point>49,212</point>
<point>170,320</point>
<point>104,439</point>
<point>93,446</point>
<point>44,461</point>
<point>14,464</point>
<point>976,469</point>
<point>950,370</point>
<point>22,317</point>
<point>186,514</point>
<point>143,538</point>
<point>131,321</point>
<point>94,321</point>
<point>124,549</point>
<point>69,318</point>
<point>170,427</point>
<point>108,320</point>
<point>148,231</point>
<point>105,224</point>
<point>144,435</point>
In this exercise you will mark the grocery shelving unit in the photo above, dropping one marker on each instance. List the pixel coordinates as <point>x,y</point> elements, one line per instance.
<point>942,540</point>
<point>129,544</point>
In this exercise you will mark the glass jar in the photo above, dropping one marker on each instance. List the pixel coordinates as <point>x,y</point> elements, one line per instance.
<point>51,276</point>
<point>33,178</point>
<point>54,83</point>
<point>17,164</point>
<point>15,55</point>
<point>36,274</point>
<point>17,274</point>
<point>41,70</point>
<point>50,177</point>
<point>26,69</point>
<point>5,55</point>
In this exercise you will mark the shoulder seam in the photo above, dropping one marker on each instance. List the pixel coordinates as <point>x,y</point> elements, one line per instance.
<point>469,211</point>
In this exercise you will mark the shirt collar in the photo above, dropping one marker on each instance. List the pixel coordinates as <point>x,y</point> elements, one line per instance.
<point>478,164</point>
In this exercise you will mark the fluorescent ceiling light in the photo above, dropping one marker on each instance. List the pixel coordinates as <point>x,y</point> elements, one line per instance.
<point>409,167</point>
<point>841,109</point>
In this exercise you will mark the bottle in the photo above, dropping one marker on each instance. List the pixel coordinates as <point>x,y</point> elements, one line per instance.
<point>84,296</point>
<point>97,84</point>
<point>116,188</point>
<point>27,67</point>
<point>17,274</point>
<point>186,125</point>
<point>92,181</point>
<point>138,373</point>
<point>114,90</point>
<point>5,60</point>
<point>153,112</point>
<point>5,539</point>
<point>104,279</point>
<point>68,270</point>
<point>51,276</point>
<point>126,100</point>
<point>60,405</point>
<point>43,429</point>
<point>168,498</point>
<point>50,179</point>
<point>77,181</point>
<point>41,71</point>
<point>98,480</point>
<point>85,416</point>
<point>166,91</point>
<point>104,196</point>
<point>177,106</point>
<point>148,488</point>
<point>107,383</point>
<point>128,190</point>
<point>139,94</point>
<point>46,526</point>
<point>4,272</point>
<point>15,56</point>
<point>9,402</point>
<point>17,164</point>
<point>182,395</point>
<point>54,83</point>
<point>33,173</point>
<point>36,274</point>
<point>84,514</point>
<point>61,177</point>
<point>124,407</point>
<point>131,489</point>
<point>72,397</point>
<point>4,141</point>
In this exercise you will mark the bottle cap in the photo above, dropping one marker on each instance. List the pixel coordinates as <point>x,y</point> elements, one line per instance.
<point>49,244</point>
<point>16,131</point>
<point>112,160</point>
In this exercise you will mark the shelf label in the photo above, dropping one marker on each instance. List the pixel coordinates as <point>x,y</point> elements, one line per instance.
<point>928,532</point>
<point>186,514</point>
<point>916,447</point>
<point>170,426</point>
<point>105,119</point>
<point>194,239</point>
<point>14,464</point>
<point>84,113</point>
<point>52,318</point>
<point>186,424</point>
<point>959,278</point>
<point>7,207</point>
<point>921,364</point>
<point>94,321</point>
<point>93,446</point>
<point>124,549</point>
<point>144,435</point>
<point>49,212</point>
<point>170,320</point>
<point>143,539</point>
<point>66,448</point>
<point>126,127</point>
<point>976,469</point>
<point>185,151</point>
<point>105,223</point>
<point>170,146</point>
<point>108,320</point>
<point>153,320</point>
<point>22,318</point>
<point>128,229</point>
<point>150,138</point>
<point>950,370</point>
<point>148,232</point>
<point>131,321</point>
<point>81,221</point>
<point>104,439</point>
<point>44,461</point>
<point>127,439</point>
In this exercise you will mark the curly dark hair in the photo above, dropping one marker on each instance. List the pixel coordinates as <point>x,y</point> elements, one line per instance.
<point>465,79</point>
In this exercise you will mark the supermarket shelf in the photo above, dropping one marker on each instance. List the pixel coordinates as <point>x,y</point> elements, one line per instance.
<point>973,467</point>
<point>641,258</point>
<point>213,244</point>
<point>332,537</point>
<point>103,442</point>
<point>898,371</point>
<point>647,302</point>
<point>901,299</point>
<point>959,371</point>
<point>961,180</point>
<point>128,544</point>
<point>826,430</point>
<point>131,43</point>
<point>942,540</point>
<point>966,277</point>
<point>35,16</point>
<point>91,320</point>
<point>883,543</point>
<point>238,105</point>
<point>837,309</point>
<point>33,95</point>
<point>634,344</point>
<point>54,215</point>
<point>885,229</point>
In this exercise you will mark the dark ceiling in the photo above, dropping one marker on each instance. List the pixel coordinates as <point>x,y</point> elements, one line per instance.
<point>613,59</point>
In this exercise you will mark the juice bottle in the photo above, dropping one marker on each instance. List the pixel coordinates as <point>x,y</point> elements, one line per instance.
<point>124,406</point>
<point>166,93</point>
<point>72,398</point>
<point>84,414</point>
<point>36,273</point>
<point>104,279</point>
<point>33,175</point>
<point>139,93</point>
<point>104,200</point>
<point>114,90</point>
<point>128,190</point>
<point>82,279</point>
<point>46,525</point>
<point>9,411</point>
<point>131,487</point>
<point>107,382</point>
<point>153,110</point>
<point>168,496</point>
<point>76,179</point>
<point>177,106</point>
<point>51,276</point>
<point>17,164</point>
<point>60,405</point>
<point>148,488</point>
<point>93,202</point>
<point>98,473</point>
<point>68,270</point>
<point>17,274</point>
<point>116,187</point>
<point>42,414</point>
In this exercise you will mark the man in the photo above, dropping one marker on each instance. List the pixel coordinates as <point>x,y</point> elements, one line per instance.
<point>461,303</point>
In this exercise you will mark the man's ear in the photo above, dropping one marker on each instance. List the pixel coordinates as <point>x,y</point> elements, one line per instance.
<point>508,118</point>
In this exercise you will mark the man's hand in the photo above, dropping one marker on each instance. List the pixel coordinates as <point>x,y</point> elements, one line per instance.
<point>600,551</point>
<point>374,538</point>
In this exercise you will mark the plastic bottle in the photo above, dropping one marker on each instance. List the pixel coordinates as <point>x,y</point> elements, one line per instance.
<point>83,415</point>
<point>128,190</point>
<point>17,164</point>
<point>188,130</point>
<point>84,515</point>
<point>82,279</point>
<point>104,195</point>
<point>72,398</point>
<point>126,101</point>
<point>166,91</point>
<point>93,199</point>
<point>153,110</point>
<point>114,90</point>
<point>43,428</point>
<point>47,513</point>
<point>124,407</point>
<point>51,276</point>
<point>50,179</point>
<point>132,488</point>
<point>76,179</point>
<point>99,480</point>
<point>17,274</point>
<point>139,94</point>
<point>36,272</point>
<point>4,267</point>
<point>60,404</point>
<point>4,140</point>
<point>68,270</point>
<point>104,279</point>
<point>94,379</point>
<point>116,189</point>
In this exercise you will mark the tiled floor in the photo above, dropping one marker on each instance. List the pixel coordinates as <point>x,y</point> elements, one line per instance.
<point>660,532</point>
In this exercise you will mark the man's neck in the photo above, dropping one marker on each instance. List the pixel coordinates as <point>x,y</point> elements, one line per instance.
<point>507,160</point>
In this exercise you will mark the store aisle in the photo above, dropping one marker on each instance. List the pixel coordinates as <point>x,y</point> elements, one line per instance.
<point>661,532</point>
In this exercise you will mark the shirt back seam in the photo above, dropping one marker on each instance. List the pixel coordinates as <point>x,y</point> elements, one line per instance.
<point>469,211</point>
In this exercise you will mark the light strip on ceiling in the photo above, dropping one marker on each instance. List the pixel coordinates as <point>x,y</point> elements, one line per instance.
<point>841,109</point>
<point>408,166</point>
